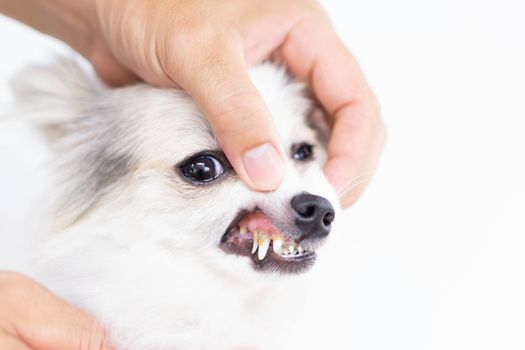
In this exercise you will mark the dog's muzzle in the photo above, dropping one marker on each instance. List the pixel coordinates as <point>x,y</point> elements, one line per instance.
<point>276,249</point>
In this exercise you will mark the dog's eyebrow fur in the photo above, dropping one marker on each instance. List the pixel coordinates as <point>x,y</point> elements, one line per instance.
<point>316,120</point>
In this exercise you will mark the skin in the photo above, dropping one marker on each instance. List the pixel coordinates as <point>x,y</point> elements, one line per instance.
<point>31,317</point>
<point>206,47</point>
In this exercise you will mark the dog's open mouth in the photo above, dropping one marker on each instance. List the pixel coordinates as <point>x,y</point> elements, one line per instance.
<point>254,235</point>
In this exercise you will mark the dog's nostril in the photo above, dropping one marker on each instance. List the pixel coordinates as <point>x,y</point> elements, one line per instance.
<point>307,212</point>
<point>328,218</point>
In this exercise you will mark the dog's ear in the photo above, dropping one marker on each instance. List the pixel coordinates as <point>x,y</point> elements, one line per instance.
<point>52,97</point>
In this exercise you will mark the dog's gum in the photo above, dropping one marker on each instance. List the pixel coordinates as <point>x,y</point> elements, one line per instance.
<point>258,222</point>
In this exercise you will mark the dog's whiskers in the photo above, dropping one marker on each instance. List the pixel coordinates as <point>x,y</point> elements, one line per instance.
<point>344,191</point>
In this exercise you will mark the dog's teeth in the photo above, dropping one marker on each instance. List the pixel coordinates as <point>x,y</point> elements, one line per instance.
<point>291,249</point>
<point>264,244</point>
<point>242,230</point>
<point>277,244</point>
<point>255,242</point>
<point>300,250</point>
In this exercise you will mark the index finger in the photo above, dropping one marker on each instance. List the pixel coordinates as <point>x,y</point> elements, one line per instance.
<point>314,53</point>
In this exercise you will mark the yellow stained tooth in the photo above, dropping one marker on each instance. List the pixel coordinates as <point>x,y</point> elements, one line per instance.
<point>242,230</point>
<point>255,242</point>
<point>261,236</point>
<point>264,244</point>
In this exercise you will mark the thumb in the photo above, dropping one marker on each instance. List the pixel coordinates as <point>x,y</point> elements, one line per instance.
<point>219,83</point>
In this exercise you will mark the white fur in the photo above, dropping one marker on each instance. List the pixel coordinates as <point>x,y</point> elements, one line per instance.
<point>142,253</point>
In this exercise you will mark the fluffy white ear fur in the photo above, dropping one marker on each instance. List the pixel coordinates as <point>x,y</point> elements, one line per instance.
<point>51,95</point>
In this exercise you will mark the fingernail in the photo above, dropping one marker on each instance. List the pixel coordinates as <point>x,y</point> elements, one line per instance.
<point>264,167</point>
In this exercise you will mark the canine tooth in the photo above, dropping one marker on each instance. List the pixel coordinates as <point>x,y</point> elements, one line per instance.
<point>255,242</point>
<point>264,244</point>
<point>300,250</point>
<point>291,249</point>
<point>277,244</point>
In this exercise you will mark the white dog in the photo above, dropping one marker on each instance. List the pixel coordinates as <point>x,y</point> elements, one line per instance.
<point>152,231</point>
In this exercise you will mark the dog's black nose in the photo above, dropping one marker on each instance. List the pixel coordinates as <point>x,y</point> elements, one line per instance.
<point>313,215</point>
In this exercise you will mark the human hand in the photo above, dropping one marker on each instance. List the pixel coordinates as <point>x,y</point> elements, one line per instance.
<point>33,318</point>
<point>205,47</point>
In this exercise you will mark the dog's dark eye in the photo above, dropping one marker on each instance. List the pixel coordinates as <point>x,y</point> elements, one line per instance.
<point>302,151</point>
<point>202,169</point>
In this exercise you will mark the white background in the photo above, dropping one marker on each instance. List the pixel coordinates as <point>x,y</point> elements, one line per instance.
<point>435,250</point>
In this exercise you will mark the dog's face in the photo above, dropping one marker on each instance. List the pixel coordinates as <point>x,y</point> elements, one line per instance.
<point>144,162</point>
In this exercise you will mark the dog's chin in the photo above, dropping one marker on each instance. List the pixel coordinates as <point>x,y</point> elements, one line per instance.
<point>253,234</point>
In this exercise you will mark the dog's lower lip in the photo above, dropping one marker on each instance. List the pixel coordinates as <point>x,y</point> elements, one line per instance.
<point>289,258</point>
